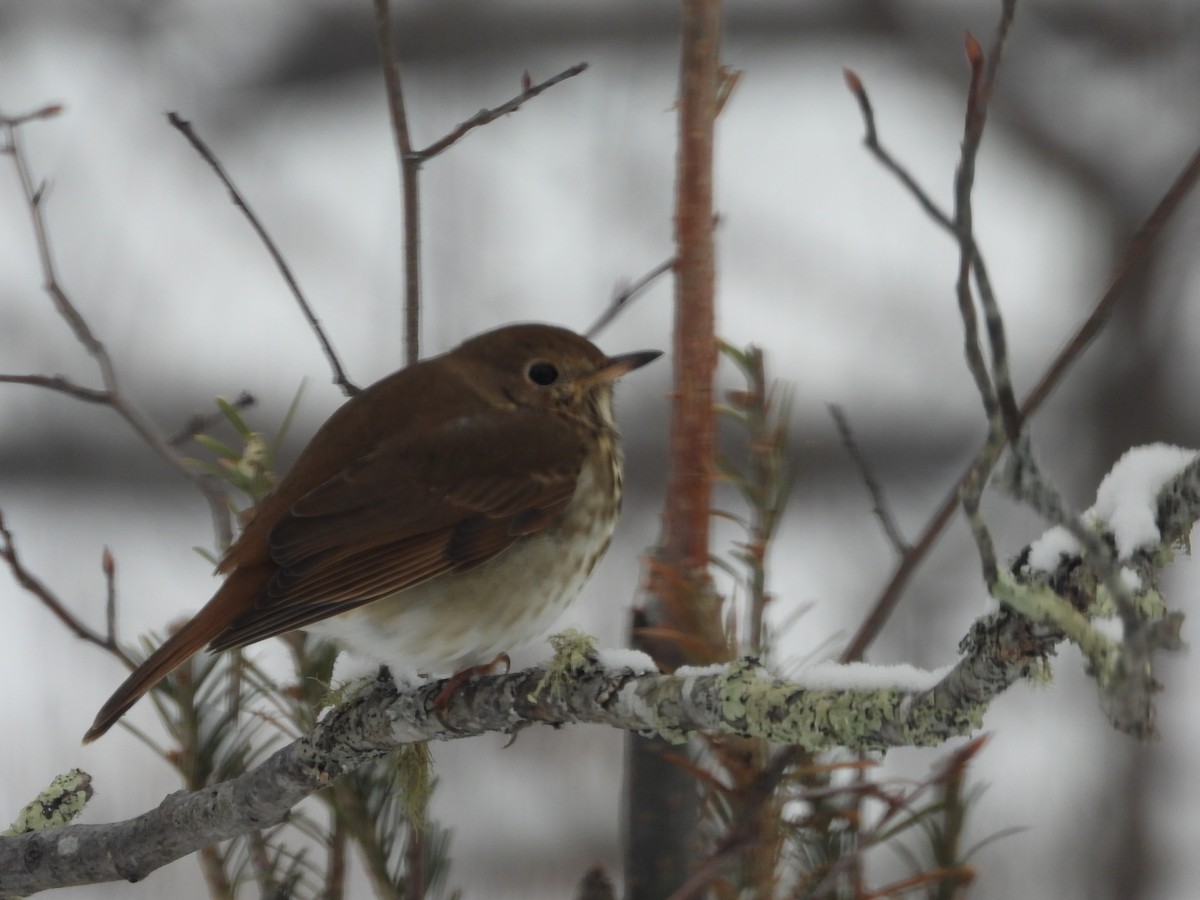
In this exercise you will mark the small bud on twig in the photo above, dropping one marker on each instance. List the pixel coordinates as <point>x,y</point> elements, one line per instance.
<point>974,51</point>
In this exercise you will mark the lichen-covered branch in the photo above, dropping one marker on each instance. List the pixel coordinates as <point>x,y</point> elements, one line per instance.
<point>57,805</point>
<point>1096,583</point>
<point>739,698</point>
<point>828,705</point>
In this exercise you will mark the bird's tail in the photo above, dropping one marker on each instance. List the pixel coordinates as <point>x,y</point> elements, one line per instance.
<point>185,643</point>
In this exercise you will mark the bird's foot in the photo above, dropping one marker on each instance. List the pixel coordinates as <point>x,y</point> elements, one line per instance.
<point>441,703</point>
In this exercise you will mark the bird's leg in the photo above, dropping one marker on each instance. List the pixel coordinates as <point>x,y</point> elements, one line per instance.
<point>441,703</point>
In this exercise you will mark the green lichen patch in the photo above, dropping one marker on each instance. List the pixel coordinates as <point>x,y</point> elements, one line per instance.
<point>61,802</point>
<point>573,650</point>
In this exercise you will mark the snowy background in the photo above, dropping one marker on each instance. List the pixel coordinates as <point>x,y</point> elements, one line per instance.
<point>823,260</point>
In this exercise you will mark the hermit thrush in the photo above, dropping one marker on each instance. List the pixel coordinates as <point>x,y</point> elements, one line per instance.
<point>447,513</point>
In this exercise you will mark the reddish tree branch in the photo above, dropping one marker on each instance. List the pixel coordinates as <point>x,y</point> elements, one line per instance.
<point>663,814</point>
<point>685,545</point>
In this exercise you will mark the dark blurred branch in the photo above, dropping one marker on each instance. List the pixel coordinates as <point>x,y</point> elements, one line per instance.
<point>874,488</point>
<point>109,567</point>
<point>185,128</point>
<point>1131,260</point>
<point>596,885</point>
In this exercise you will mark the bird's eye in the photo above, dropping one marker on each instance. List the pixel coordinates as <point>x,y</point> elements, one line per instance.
<point>542,373</point>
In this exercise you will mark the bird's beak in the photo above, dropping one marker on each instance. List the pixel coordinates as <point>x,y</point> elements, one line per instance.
<point>620,365</point>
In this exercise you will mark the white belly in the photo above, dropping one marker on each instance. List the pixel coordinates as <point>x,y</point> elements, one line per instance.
<point>455,621</point>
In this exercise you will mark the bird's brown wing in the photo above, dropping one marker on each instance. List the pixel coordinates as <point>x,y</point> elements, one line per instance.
<point>438,502</point>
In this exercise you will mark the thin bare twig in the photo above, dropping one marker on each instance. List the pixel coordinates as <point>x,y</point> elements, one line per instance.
<point>484,116</point>
<point>32,584</point>
<point>978,268</point>
<point>62,385</point>
<point>34,198</point>
<point>881,508</point>
<point>922,197</point>
<point>185,128</point>
<point>995,388</point>
<point>626,293</point>
<point>49,111</point>
<point>889,162</point>
<point>35,202</point>
<point>1133,257</point>
<point>996,392</point>
<point>411,160</point>
<point>964,181</point>
<point>991,310</point>
<point>410,165</point>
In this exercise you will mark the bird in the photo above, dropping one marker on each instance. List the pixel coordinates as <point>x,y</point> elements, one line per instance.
<point>445,514</point>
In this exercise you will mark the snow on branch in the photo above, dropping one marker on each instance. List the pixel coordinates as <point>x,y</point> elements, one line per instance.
<point>826,705</point>
<point>1093,579</point>
<point>739,698</point>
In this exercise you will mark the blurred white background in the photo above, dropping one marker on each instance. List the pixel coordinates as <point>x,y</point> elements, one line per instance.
<point>824,261</point>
